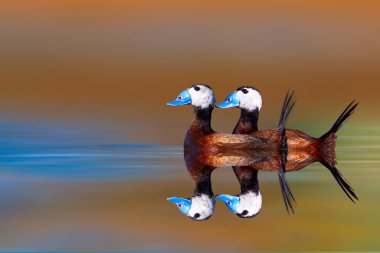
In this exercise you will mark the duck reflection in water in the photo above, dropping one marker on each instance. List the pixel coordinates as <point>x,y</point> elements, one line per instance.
<point>247,204</point>
<point>201,164</point>
<point>247,163</point>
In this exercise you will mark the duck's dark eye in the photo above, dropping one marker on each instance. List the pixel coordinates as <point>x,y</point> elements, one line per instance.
<point>229,100</point>
<point>180,97</point>
<point>228,202</point>
<point>196,88</point>
<point>245,212</point>
<point>196,216</point>
<point>245,91</point>
<point>179,205</point>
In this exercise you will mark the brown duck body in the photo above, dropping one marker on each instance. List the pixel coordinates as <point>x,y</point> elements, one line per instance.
<point>200,135</point>
<point>219,142</point>
<point>307,147</point>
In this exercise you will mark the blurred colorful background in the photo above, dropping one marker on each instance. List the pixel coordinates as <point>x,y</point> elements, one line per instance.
<point>90,151</point>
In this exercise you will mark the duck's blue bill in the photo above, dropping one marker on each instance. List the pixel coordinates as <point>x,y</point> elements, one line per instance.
<point>232,202</point>
<point>183,98</point>
<point>231,101</point>
<point>183,204</point>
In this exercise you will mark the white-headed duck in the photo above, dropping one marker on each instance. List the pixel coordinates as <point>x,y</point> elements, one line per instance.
<point>249,101</point>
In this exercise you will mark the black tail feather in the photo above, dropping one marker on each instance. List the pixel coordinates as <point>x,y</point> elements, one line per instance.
<point>287,194</point>
<point>330,145</point>
<point>348,190</point>
<point>342,118</point>
<point>286,191</point>
<point>287,107</point>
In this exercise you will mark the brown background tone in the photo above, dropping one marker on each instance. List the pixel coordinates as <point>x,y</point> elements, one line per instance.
<point>117,63</point>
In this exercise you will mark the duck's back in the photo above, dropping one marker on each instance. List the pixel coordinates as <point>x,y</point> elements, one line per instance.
<point>299,140</point>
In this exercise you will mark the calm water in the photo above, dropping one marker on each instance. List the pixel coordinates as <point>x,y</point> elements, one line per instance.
<point>65,189</point>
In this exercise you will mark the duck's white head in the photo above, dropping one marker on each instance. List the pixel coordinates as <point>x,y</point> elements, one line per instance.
<point>198,95</point>
<point>197,207</point>
<point>246,205</point>
<point>245,97</point>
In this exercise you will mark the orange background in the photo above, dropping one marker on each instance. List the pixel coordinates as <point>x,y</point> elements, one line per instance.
<point>117,63</point>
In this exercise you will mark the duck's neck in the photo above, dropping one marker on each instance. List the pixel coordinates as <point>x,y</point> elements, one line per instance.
<point>247,122</point>
<point>202,182</point>
<point>247,178</point>
<point>202,119</point>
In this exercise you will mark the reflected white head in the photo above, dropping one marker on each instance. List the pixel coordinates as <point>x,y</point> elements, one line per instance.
<point>199,207</point>
<point>246,205</point>
<point>250,204</point>
<point>202,207</point>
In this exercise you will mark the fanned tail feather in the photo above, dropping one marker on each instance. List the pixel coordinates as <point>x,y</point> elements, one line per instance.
<point>327,147</point>
<point>287,194</point>
<point>348,190</point>
<point>287,107</point>
<point>341,119</point>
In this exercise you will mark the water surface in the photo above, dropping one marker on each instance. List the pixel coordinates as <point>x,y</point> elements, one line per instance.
<point>65,189</point>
